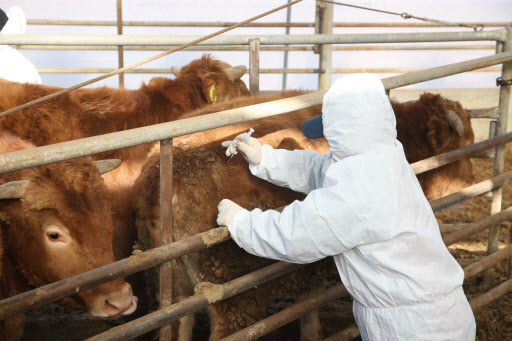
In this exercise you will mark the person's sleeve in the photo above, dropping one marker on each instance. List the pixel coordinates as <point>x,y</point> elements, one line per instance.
<point>322,225</point>
<point>299,170</point>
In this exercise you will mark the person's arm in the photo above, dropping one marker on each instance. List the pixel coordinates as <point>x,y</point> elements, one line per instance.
<point>328,222</point>
<point>299,170</point>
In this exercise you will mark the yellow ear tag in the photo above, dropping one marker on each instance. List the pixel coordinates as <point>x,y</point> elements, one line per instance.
<point>213,97</point>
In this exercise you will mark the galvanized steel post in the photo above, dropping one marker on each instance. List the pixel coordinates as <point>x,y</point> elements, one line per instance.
<point>499,162</point>
<point>324,19</point>
<point>254,66</point>
<point>120,50</point>
<point>166,217</point>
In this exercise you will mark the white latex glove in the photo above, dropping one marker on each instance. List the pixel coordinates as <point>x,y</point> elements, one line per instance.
<point>251,148</point>
<point>227,209</point>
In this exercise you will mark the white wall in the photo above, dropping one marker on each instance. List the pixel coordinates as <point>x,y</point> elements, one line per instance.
<point>224,10</point>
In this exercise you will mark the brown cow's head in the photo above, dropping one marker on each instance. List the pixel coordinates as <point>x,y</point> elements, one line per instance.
<point>56,222</point>
<point>219,80</point>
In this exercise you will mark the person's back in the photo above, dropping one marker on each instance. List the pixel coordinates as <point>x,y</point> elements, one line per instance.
<point>13,65</point>
<point>365,207</point>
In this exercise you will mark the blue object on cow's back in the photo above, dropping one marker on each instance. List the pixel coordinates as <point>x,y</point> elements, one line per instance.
<point>313,128</point>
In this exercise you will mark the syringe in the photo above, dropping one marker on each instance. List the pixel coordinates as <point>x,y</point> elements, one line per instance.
<point>245,137</point>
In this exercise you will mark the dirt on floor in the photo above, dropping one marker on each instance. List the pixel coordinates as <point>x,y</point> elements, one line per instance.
<point>494,321</point>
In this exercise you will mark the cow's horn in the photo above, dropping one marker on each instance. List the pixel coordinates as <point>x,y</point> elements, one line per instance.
<point>13,189</point>
<point>236,72</point>
<point>176,70</point>
<point>105,166</point>
<point>455,122</point>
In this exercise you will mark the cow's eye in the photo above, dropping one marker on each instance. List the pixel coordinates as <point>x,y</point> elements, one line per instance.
<point>54,237</point>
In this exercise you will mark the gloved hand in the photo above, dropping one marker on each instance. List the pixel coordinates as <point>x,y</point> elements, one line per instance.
<point>227,209</point>
<point>251,148</point>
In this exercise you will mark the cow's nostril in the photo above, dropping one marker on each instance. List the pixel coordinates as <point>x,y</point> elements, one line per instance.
<point>110,308</point>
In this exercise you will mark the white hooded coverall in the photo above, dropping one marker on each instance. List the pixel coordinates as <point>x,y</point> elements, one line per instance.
<point>365,207</point>
<point>13,65</point>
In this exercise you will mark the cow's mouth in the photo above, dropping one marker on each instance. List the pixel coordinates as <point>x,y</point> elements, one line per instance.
<point>132,307</point>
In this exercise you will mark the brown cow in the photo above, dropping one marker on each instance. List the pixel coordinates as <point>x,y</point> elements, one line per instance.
<point>203,176</point>
<point>95,111</point>
<point>56,222</point>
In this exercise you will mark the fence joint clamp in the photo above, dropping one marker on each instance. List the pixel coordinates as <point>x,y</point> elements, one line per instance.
<point>502,82</point>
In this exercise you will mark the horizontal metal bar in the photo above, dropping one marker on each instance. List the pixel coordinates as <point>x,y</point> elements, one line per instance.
<point>168,71</point>
<point>471,191</point>
<point>132,137</point>
<point>487,261</point>
<point>127,138</point>
<point>446,70</point>
<point>227,24</point>
<point>459,154</point>
<point>491,295</point>
<point>484,113</point>
<point>347,334</point>
<point>138,262</point>
<point>123,40</point>
<point>194,303</point>
<point>478,226</point>
<point>289,314</point>
<point>386,47</point>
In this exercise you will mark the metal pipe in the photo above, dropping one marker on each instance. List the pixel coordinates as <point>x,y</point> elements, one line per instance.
<point>139,261</point>
<point>226,24</point>
<point>64,39</point>
<point>168,71</point>
<point>487,261</point>
<point>346,334</point>
<point>262,48</point>
<point>194,303</point>
<point>254,66</point>
<point>484,113</point>
<point>478,226</point>
<point>166,228</point>
<point>458,154</point>
<point>471,191</point>
<point>120,53</point>
<point>325,15</point>
<point>289,314</point>
<point>285,54</point>
<point>491,295</point>
<point>132,137</point>
<point>499,161</point>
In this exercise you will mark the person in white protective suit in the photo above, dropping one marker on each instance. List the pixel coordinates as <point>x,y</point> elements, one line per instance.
<point>13,65</point>
<point>365,207</point>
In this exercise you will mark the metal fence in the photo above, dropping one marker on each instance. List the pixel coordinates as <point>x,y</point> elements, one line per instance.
<point>165,132</point>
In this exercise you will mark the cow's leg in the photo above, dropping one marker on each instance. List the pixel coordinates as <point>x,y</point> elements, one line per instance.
<point>310,327</point>
<point>186,327</point>
<point>219,324</point>
<point>11,329</point>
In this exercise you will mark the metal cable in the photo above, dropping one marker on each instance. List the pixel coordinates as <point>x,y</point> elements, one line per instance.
<point>476,27</point>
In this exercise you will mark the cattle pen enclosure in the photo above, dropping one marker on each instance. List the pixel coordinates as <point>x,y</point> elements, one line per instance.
<point>493,147</point>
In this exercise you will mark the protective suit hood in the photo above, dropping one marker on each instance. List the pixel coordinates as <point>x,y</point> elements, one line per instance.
<point>358,117</point>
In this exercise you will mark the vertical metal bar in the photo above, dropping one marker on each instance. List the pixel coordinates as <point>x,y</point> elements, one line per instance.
<point>254,66</point>
<point>285,60</point>
<point>499,161</point>
<point>120,49</point>
<point>166,192</point>
<point>325,50</point>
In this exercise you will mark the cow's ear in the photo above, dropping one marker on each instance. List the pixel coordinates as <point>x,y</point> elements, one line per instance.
<point>13,189</point>
<point>212,86</point>
<point>105,166</point>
